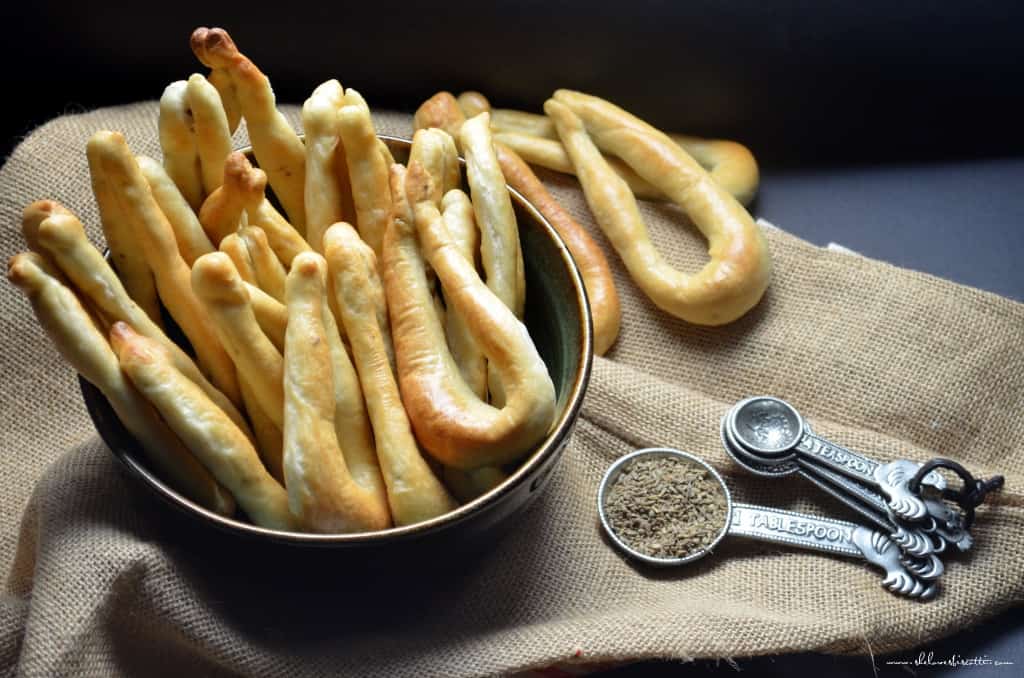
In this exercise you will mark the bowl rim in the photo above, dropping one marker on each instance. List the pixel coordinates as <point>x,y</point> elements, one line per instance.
<point>552,442</point>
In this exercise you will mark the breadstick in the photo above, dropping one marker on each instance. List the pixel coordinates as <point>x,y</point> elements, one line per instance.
<point>737,275</point>
<point>367,170</point>
<point>323,190</point>
<point>242,188</point>
<point>181,157</point>
<point>188,232</point>
<point>122,239</point>
<point>321,490</point>
<point>219,287</point>
<point>468,485</point>
<point>233,246</point>
<point>213,135</point>
<point>32,217</point>
<point>169,269</point>
<point>281,236</point>
<point>593,266</point>
<point>205,429</point>
<point>77,338</point>
<point>414,492</point>
<point>270,274</point>
<point>473,103</point>
<point>270,314</point>
<point>63,237</point>
<point>441,111</point>
<point>276,145</point>
<point>435,150</point>
<point>269,439</point>
<point>221,79</point>
<point>450,421</point>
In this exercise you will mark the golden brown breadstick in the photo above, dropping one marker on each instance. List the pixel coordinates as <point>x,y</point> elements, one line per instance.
<point>414,492</point>
<point>221,79</point>
<point>205,429</point>
<point>219,287</point>
<point>450,421</point>
<point>435,150</point>
<point>507,120</point>
<point>367,169</point>
<point>63,237</point>
<point>468,485</point>
<point>169,269</point>
<point>181,157</point>
<point>276,145</point>
<point>441,111</point>
<point>233,246</point>
<point>269,439</point>
<point>243,188</point>
<point>323,190</point>
<point>270,314</point>
<point>458,218</point>
<point>77,338</point>
<point>597,276</point>
<point>213,135</point>
<point>737,275</point>
<point>321,490</point>
<point>269,271</point>
<point>473,103</point>
<point>125,249</point>
<point>32,217</point>
<point>188,232</point>
<point>729,163</point>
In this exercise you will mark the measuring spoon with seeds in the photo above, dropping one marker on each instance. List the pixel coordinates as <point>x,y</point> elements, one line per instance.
<point>825,535</point>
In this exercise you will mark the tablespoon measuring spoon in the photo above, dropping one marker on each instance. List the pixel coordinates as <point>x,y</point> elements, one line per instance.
<point>772,428</point>
<point>825,535</point>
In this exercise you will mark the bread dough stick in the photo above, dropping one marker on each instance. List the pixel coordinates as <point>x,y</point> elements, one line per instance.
<point>414,492</point>
<point>729,163</point>
<point>739,270</point>
<point>63,237</point>
<point>225,298</point>
<point>282,237</point>
<point>169,269</point>
<point>435,150</point>
<point>277,147</point>
<point>178,142</point>
<point>203,427</point>
<point>593,266</point>
<point>323,190</point>
<point>32,217</point>
<point>270,314</point>
<point>188,232</point>
<point>458,218</point>
<point>468,485</point>
<point>233,246</point>
<point>321,489</point>
<point>367,169</point>
<point>221,79</point>
<point>507,120</point>
<point>441,111</point>
<point>269,271</point>
<point>125,247</point>
<point>77,338</point>
<point>385,153</point>
<point>213,135</point>
<point>243,186</point>
<point>473,103</point>
<point>450,421</point>
<point>269,439</point>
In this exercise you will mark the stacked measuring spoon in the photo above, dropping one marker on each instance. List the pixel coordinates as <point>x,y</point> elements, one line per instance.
<point>902,500</point>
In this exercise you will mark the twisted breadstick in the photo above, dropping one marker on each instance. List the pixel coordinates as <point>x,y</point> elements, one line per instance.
<point>276,145</point>
<point>323,191</point>
<point>737,275</point>
<point>213,135</point>
<point>243,186</point>
<point>204,428</point>
<point>188,232</point>
<point>181,156</point>
<point>414,492</point>
<point>321,490</point>
<point>367,169</point>
<point>77,338</point>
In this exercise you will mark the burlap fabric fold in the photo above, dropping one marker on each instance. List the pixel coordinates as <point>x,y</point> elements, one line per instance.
<point>104,581</point>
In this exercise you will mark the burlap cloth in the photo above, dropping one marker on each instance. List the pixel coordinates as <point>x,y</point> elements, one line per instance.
<point>104,580</point>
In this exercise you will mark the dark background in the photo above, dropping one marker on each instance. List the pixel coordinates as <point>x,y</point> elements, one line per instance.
<point>893,128</point>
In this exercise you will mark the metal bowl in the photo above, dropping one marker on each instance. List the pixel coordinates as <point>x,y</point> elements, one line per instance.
<point>558,318</point>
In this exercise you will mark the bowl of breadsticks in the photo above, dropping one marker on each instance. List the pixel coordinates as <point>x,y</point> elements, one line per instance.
<point>335,338</point>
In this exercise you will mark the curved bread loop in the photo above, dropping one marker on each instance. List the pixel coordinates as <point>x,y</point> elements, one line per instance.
<point>367,169</point>
<point>81,343</point>
<point>321,490</point>
<point>243,186</point>
<point>125,248</point>
<point>63,237</point>
<point>188,231</point>
<point>203,427</point>
<point>276,145</point>
<point>414,492</point>
<point>323,190</point>
<point>161,251</point>
<point>212,133</point>
<point>450,421</point>
<point>178,142</point>
<point>269,272</point>
<point>221,79</point>
<point>738,273</point>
